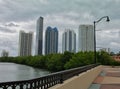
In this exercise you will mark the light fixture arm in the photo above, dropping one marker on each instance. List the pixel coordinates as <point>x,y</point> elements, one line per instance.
<point>102,18</point>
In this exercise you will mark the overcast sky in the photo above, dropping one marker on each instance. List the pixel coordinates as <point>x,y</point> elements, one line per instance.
<point>16,15</point>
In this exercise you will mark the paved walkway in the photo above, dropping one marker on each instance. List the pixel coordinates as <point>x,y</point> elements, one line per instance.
<point>109,78</point>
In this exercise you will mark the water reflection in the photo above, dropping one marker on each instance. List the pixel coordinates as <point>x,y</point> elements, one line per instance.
<point>15,72</point>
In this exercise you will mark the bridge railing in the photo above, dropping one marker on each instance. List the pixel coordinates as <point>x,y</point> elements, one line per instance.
<point>46,81</point>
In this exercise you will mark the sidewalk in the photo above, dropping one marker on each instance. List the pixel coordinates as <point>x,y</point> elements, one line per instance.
<point>109,78</point>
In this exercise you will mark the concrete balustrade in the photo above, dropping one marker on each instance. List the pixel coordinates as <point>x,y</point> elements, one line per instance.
<point>82,81</point>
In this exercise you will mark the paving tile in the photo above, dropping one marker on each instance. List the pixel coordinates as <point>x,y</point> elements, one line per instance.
<point>113,74</point>
<point>111,80</point>
<point>103,73</point>
<point>94,86</point>
<point>110,86</point>
<point>98,80</point>
<point>111,69</point>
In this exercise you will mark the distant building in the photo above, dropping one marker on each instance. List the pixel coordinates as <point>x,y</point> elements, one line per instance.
<point>25,43</point>
<point>39,37</point>
<point>86,38</point>
<point>4,53</point>
<point>69,41</point>
<point>116,58</point>
<point>51,40</point>
<point>109,51</point>
<point>105,49</point>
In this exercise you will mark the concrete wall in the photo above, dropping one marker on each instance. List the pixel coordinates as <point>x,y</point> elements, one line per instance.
<point>83,81</point>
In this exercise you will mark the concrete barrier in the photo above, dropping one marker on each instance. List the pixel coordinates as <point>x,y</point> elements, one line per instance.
<point>82,81</point>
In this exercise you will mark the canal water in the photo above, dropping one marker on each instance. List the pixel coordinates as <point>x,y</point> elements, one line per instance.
<point>16,72</point>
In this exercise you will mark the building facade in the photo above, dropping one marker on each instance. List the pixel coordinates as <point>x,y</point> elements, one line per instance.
<point>39,36</point>
<point>4,53</point>
<point>69,41</point>
<point>105,50</point>
<point>86,38</point>
<point>116,58</point>
<point>51,40</point>
<point>25,43</point>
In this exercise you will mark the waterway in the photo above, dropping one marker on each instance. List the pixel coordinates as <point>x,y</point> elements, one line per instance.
<point>16,72</point>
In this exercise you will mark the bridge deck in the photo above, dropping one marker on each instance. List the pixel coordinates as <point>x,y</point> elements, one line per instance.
<point>109,78</point>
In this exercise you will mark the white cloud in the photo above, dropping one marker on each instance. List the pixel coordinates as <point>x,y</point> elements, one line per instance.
<point>1,1</point>
<point>11,24</point>
<point>22,15</point>
<point>44,2</point>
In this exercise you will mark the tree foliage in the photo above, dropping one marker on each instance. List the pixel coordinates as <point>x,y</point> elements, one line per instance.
<point>58,62</point>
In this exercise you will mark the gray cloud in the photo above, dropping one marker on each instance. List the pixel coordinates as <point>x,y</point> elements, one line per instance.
<point>9,42</point>
<point>11,24</point>
<point>22,15</point>
<point>6,30</point>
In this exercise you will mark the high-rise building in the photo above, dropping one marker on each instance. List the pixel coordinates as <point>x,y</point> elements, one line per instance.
<point>25,43</point>
<point>4,53</point>
<point>105,50</point>
<point>51,40</point>
<point>86,38</point>
<point>39,36</point>
<point>69,41</point>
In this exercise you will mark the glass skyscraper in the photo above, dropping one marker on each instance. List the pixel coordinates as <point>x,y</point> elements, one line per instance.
<point>69,41</point>
<point>39,36</point>
<point>51,40</point>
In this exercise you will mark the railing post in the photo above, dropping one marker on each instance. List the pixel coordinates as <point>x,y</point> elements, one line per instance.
<point>31,86</point>
<point>5,87</point>
<point>13,87</point>
<point>21,86</point>
<point>61,78</point>
<point>35,85</point>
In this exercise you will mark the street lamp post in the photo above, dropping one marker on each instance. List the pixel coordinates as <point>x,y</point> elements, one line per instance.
<point>107,19</point>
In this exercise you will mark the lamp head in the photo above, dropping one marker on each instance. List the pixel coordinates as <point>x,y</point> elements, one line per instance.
<point>108,19</point>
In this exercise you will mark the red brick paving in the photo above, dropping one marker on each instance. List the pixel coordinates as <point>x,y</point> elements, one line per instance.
<point>113,82</point>
<point>113,74</point>
<point>111,69</point>
<point>108,86</point>
<point>98,80</point>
